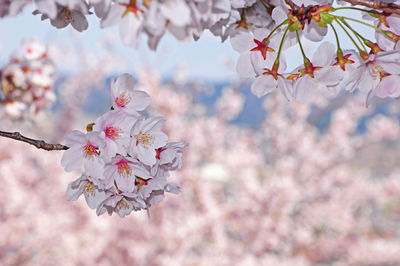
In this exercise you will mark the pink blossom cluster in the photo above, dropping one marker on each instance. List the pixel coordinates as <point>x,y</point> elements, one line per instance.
<point>27,81</point>
<point>184,19</point>
<point>284,194</point>
<point>372,67</point>
<point>126,157</point>
<point>260,31</point>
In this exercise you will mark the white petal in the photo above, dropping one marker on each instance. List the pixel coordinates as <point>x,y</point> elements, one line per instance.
<point>124,82</point>
<point>75,137</point>
<point>172,188</point>
<point>242,42</point>
<point>93,199</point>
<point>153,123</point>
<point>160,139</point>
<point>263,85</point>
<point>146,156</point>
<point>79,21</point>
<point>324,55</point>
<point>389,87</point>
<point>176,11</point>
<point>304,88</point>
<point>129,29</point>
<point>94,167</point>
<point>314,33</point>
<point>72,159</point>
<point>329,76</point>
<point>59,22</point>
<point>47,7</point>
<point>125,183</point>
<point>244,66</point>
<point>140,100</point>
<point>73,193</point>
<point>113,17</point>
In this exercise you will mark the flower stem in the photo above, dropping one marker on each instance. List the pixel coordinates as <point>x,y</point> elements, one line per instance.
<point>352,8</point>
<point>301,47</point>
<point>336,36</point>
<point>277,27</point>
<point>362,22</point>
<point>281,45</point>
<point>348,34</point>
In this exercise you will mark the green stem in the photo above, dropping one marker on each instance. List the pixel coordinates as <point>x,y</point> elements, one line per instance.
<point>348,34</point>
<point>281,44</point>
<point>301,47</point>
<point>362,22</point>
<point>277,27</point>
<point>336,35</point>
<point>358,35</point>
<point>353,8</point>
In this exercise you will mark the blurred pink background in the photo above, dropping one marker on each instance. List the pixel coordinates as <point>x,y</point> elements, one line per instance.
<point>285,191</point>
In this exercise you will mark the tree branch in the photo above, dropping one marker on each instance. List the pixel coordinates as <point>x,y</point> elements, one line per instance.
<point>379,5</point>
<point>40,144</point>
<point>292,5</point>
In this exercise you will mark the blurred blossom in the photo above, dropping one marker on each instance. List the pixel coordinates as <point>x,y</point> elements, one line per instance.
<point>229,104</point>
<point>27,81</point>
<point>288,193</point>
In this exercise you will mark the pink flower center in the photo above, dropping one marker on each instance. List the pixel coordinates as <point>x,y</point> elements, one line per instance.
<point>123,100</point>
<point>89,150</point>
<point>112,132</point>
<point>124,169</point>
<point>145,139</point>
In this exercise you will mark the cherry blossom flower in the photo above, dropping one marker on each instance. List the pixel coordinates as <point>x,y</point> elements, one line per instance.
<point>319,75</point>
<point>86,186</point>
<point>169,157</point>
<point>129,16</point>
<point>389,87</point>
<point>85,149</point>
<point>374,69</point>
<point>124,97</point>
<point>27,82</point>
<point>115,127</point>
<point>146,138</point>
<point>123,171</point>
<point>68,15</point>
<point>122,204</point>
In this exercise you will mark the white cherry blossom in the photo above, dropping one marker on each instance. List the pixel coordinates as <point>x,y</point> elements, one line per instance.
<point>146,138</point>
<point>85,149</point>
<point>125,98</point>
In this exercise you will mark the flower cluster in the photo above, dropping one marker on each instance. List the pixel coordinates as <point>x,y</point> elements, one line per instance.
<point>184,19</point>
<point>372,67</point>
<point>27,81</point>
<point>285,193</point>
<point>260,30</point>
<point>126,157</point>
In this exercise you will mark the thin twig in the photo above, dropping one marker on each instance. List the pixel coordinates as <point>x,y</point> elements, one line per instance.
<point>40,144</point>
<point>292,5</point>
<point>378,5</point>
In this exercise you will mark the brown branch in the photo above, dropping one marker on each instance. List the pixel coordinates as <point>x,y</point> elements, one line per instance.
<point>292,5</point>
<point>40,144</point>
<point>378,5</point>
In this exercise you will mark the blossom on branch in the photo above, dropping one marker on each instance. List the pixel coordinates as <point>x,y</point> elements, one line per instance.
<point>126,157</point>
